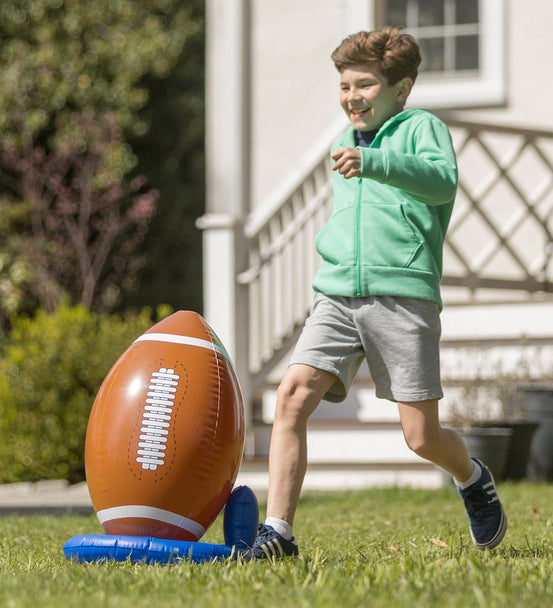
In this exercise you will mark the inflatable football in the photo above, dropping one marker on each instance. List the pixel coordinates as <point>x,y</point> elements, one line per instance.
<point>166,433</point>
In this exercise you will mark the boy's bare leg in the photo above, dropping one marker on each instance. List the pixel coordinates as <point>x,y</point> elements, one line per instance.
<point>475,484</point>
<point>298,395</point>
<point>426,437</point>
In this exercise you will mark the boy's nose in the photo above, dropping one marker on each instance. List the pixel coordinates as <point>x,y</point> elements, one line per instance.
<point>354,94</point>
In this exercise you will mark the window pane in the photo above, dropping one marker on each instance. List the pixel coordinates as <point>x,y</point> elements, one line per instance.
<point>431,12</point>
<point>396,12</point>
<point>466,11</point>
<point>466,53</point>
<point>432,54</point>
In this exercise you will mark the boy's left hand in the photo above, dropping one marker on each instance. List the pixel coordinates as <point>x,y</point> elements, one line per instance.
<point>347,161</point>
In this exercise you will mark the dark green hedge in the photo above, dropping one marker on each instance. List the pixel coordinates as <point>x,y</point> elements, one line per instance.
<point>51,368</point>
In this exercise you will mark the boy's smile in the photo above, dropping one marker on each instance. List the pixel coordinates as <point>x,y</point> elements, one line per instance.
<point>367,98</point>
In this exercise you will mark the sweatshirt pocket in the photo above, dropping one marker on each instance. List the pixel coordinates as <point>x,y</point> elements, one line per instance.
<point>386,237</point>
<point>336,241</point>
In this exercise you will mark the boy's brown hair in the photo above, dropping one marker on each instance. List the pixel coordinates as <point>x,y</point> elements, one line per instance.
<point>394,54</point>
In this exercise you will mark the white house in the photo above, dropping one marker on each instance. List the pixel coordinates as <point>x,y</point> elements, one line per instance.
<point>272,112</point>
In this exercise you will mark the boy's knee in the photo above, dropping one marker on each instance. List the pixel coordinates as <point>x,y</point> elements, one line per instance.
<point>292,395</point>
<point>295,398</point>
<point>423,444</point>
<point>421,428</point>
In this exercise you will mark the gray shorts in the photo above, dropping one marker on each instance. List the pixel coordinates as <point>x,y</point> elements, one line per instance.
<point>399,337</point>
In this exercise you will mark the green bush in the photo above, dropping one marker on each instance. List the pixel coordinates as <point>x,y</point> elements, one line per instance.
<point>51,369</point>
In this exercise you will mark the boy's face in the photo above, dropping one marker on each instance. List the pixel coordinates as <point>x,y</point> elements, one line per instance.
<point>367,98</point>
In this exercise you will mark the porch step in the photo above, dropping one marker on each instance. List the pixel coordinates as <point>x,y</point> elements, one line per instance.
<point>498,323</point>
<point>334,476</point>
<point>348,454</point>
<point>348,442</point>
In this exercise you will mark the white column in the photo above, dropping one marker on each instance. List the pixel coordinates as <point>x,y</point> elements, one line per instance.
<point>228,180</point>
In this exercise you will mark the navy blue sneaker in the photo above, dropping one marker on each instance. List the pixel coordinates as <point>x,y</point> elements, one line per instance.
<point>269,544</point>
<point>487,519</point>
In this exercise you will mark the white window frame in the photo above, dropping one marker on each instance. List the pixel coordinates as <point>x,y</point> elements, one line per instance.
<point>487,88</point>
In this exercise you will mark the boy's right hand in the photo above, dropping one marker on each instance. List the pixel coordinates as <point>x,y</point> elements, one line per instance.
<point>347,161</point>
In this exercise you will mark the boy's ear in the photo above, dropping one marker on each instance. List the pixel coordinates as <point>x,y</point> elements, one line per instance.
<point>403,88</point>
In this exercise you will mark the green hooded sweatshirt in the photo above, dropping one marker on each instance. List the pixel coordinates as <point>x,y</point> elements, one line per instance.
<point>386,231</point>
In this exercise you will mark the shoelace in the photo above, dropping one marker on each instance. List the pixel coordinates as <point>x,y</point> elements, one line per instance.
<point>263,533</point>
<point>477,501</point>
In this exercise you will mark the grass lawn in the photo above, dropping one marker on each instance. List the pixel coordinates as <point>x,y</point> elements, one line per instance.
<point>377,548</point>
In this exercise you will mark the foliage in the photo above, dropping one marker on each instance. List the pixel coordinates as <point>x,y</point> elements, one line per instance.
<point>172,155</point>
<point>15,271</point>
<point>72,77</point>
<point>380,548</point>
<point>52,368</point>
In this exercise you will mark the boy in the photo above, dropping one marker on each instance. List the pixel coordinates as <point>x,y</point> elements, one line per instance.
<point>377,291</point>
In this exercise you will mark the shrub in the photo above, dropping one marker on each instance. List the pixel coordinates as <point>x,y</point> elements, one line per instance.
<point>50,372</point>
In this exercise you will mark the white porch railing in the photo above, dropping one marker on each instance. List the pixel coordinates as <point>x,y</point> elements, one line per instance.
<point>501,233</point>
<point>282,256</point>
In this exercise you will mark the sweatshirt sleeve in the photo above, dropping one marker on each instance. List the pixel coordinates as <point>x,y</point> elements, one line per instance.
<point>428,174</point>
